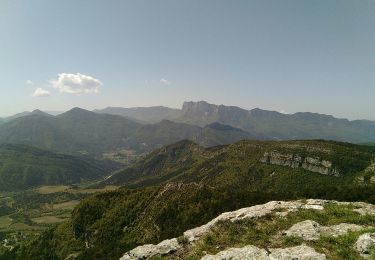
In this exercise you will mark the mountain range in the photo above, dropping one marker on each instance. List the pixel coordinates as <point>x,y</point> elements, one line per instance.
<point>149,115</point>
<point>144,129</point>
<point>82,131</point>
<point>279,126</point>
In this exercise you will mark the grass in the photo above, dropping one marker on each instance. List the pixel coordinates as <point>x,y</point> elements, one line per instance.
<point>68,205</point>
<point>64,188</point>
<point>51,189</point>
<point>22,227</point>
<point>47,220</point>
<point>90,191</point>
<point>339,247</point>
<point>5,222</point>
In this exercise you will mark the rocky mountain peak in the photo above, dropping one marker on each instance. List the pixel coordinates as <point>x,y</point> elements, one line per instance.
<point>199,107</point>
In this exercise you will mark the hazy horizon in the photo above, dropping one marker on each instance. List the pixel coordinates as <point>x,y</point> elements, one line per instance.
<point>57,112</point>
<point>290,56</point>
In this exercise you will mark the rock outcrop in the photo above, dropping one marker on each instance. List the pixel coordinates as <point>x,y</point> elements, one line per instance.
<point>365,244</point>
<point>308,230</point>
<point>311,230</point>
<point>302,252</point>
<point>147,251</point>
<point>296,161</point>
<point>253,212</point>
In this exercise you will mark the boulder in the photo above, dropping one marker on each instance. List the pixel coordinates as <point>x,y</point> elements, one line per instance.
<point>307,230</point>
<point>147,251</point>
<point>311,230</point>
<point>365,244</point>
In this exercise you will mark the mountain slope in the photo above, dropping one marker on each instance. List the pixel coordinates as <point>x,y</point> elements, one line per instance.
<point>25,113</point>
<point>167,132</point>
<point>73,131</point>
<point>23,167</point>
<point>143,114</point>
<point>276,125</point>
<point>184,186</point>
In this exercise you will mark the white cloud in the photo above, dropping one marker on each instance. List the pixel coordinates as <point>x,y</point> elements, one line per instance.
<point>39,92</point>
<point>165,82</point>
<point>76,84</point>
<point>29,82</point>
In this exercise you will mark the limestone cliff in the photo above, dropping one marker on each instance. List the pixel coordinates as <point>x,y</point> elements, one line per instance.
<point>296,161</point>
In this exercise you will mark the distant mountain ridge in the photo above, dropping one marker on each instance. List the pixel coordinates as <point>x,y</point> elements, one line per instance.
<point>145,128</point>
<point>269,124</point>
<point>82,131</point>
<point>143,114</point>
<point>280,126</point>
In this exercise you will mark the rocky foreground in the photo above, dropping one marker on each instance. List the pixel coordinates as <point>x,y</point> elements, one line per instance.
<point>303,229</point>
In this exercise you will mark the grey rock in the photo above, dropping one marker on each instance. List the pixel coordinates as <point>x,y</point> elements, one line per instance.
<point>302,252</point>
<point>296,161</point>
<point>311,230</point>
<point>148,251</point>
<point>247,252</point>
<point>339,230</point>
<point>365,244</point>
<point>307,230</point>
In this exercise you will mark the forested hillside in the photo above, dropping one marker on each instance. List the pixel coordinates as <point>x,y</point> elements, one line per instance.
<point>23,167</point>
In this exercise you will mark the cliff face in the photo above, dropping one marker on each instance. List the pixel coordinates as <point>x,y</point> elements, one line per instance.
<point>296,161</point>
<point>199,107</point>
<point>203,113</point>
<point>278,126</point>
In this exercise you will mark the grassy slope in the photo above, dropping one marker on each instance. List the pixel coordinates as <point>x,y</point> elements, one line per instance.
<point>204,183</point>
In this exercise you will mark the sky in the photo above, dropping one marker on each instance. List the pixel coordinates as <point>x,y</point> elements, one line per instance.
<point>287,56</point>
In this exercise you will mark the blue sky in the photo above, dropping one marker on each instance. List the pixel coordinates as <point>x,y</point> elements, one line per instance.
<point>289,55</point>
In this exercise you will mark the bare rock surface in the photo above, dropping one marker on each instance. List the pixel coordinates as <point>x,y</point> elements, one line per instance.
<point>148,251</point>
<point>302,252</point>
<point>339,230</point>
<point>311,230</point>
<point>364,208</point>
<point>246,252</point>
<point>307,230</point>
<point>365,244</point>
<point>297,161</point>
